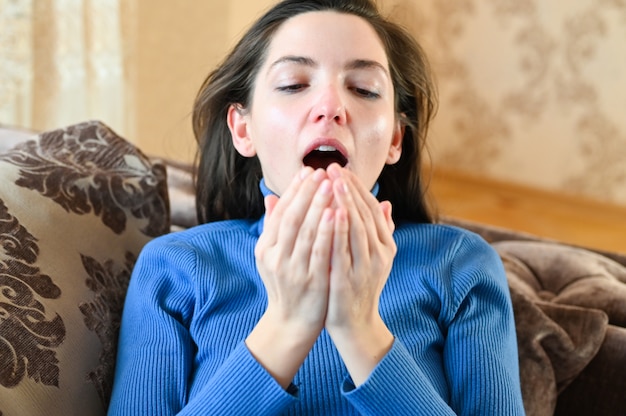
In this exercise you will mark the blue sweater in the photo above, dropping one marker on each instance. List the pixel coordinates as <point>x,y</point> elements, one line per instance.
<point>195,295</point>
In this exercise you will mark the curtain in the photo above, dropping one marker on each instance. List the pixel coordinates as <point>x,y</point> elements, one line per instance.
<point>65,61</point>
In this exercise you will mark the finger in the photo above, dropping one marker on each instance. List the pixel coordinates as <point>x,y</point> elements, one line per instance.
<point>293,188</point>
<point>277,206</point>
<point>295,210</point>
<point>267,237</point>
<point>358,228</point>
<point>320,265</point>
<point>334,171</point>
<point>341,259</point>
<point>307,233</point>
<point>386,207</point>
<point>382,223</point>
<point>372,204</point>
<point>270,203</point>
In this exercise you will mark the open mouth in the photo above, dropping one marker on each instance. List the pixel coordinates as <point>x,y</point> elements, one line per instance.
<point>323,156</point>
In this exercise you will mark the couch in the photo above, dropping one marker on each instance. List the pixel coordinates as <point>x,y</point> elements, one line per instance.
<point>77,204</point>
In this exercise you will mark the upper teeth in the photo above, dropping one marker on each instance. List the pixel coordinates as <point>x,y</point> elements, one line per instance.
<point>326,148</point>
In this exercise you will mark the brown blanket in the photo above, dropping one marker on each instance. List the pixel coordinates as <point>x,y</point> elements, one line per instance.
<point>563,299</point>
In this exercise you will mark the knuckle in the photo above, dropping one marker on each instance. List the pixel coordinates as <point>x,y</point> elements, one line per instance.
<point>307,234</point>
<point>290,220</point>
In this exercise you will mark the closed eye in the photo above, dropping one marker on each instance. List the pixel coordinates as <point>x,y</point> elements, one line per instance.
<point>366,93</point>
<point>292,88</point>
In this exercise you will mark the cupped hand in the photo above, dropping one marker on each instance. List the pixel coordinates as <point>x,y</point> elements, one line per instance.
<point>324,257</point>
<point>361,260</point>
<point>293,252</point>
<point>362,254</point>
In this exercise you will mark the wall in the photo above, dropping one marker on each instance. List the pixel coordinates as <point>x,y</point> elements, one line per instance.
<point>175,47</point>
<point>532,92</point>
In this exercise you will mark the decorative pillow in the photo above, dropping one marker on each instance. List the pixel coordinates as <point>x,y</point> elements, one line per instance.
<point>76,207</point>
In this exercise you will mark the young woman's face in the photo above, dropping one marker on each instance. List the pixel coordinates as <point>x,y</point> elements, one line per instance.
<point>324,94</point>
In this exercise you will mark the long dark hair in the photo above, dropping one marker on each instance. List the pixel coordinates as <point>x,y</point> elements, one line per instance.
<point>227,184</point>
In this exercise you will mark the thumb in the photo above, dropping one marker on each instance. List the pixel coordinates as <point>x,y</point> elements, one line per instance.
<point>386,208</point>
<point>270,203</point>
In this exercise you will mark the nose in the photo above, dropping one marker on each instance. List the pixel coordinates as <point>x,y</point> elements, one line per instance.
<point>330,106</point>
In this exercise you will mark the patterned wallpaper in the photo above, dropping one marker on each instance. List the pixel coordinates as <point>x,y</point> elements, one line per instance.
<point>531,91</point>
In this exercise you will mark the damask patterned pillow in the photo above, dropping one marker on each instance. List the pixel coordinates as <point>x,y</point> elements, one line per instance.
<point>76,207</point>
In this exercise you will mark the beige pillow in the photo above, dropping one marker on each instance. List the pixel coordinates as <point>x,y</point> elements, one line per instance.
<point>76,207</point>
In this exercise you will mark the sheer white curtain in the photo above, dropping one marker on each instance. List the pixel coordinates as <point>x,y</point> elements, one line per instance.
<point>15,61</point>
<point>65,61</point>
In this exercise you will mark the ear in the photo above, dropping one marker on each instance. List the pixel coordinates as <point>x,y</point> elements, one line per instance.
<point>395,148</point>
<point>238,125</point>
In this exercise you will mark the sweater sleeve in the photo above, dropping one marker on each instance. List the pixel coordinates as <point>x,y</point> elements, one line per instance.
<point>155,359</point>
<point>480,354</point>
<point>480,349</point>
<point>397,386</point>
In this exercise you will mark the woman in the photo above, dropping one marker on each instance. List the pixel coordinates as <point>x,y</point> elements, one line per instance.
<point>302,293</point>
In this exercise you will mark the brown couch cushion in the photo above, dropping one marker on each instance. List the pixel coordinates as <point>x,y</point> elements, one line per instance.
<point>600,388</point>
<point>563,299</point>
<point>76,207</point>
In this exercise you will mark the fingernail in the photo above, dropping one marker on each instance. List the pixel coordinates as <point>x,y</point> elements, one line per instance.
<point>306,171</point>
<point>325,187</point>
<point>334,171</point>
<point>318,175</point>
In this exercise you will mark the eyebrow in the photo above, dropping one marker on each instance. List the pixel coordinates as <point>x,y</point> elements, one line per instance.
<point>300,60</point>
<point>354,64</point>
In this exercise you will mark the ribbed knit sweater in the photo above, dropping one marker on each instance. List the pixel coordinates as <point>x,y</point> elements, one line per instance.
<point>195,295</point>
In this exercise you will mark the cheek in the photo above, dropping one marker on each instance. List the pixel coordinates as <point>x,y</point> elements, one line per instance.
<point>282,116</point>
<point>271,128</point>
<point>275,138</point>
<point>379,131</point>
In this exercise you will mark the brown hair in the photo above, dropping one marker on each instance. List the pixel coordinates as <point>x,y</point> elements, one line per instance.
<point>227,184</point>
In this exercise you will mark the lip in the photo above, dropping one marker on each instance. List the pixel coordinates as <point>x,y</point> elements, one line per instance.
<point>326,142</point>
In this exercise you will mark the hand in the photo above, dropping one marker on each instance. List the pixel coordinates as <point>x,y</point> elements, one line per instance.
<point>293,252</point>
<point>293,257</point>
<point>362,256</point>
